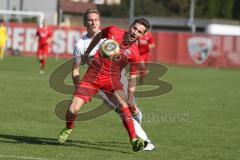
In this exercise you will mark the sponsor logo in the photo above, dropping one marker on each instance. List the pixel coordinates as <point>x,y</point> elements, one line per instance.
<point>199,48</point>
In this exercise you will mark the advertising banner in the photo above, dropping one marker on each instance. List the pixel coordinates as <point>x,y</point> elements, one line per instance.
<point>171,47</point>
<point>21,39</point>
<point>196,49</point>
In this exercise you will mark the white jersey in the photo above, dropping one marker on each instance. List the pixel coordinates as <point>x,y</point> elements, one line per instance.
<point>81,46</point>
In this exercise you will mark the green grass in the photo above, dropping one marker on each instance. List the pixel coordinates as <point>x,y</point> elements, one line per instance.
<point>198,120</point>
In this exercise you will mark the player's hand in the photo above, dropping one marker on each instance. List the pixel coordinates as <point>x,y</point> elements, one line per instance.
<point>133,109</point>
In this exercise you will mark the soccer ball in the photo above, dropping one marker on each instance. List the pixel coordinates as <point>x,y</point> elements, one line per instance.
<point>109,48</point>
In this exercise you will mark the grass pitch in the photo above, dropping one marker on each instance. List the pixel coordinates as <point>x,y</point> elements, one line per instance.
<point>198,119</point>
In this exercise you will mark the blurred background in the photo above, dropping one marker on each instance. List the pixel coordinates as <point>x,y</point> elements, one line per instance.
<point>174,23</point>
<point>163,13</point>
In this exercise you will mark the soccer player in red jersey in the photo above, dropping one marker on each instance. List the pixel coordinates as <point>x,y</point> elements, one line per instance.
<point>44,36</point>
<point>92,23</point>
<point>145,44</point>
<point>105,74</point>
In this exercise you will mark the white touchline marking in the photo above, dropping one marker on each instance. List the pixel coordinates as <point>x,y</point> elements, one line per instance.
<point>22,157</point>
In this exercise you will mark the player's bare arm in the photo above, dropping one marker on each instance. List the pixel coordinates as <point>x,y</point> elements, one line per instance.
<point>131,88</point>
<point>120,97</point>
<point>75,73</point>
<point>151,46</point>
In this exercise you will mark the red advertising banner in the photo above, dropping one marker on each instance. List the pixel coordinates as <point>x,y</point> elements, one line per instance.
<point>171,48</point>
<point>196,49</point>
<point>21,39</point>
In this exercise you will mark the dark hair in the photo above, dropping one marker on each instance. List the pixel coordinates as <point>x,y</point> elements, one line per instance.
<point>88,11</point>
<point>143,22</point>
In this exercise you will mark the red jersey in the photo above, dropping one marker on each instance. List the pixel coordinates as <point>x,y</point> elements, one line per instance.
<point>105,69</point>
<point>44,34</point>
<point>105,74</point>
<point>144,42</point>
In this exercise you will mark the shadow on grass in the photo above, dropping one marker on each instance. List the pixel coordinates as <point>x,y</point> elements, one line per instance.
<point>104,146</point>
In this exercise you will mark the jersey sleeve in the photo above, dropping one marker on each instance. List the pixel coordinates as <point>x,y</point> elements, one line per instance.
<point>95,49</point>
<point>134,60</point>
<point>108,32</point>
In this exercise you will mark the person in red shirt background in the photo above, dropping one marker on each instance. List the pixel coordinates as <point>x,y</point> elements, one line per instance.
<point>44,37</point>
<point>145,44</point>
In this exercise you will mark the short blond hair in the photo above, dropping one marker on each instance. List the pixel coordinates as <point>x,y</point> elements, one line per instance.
<point>89,11</point>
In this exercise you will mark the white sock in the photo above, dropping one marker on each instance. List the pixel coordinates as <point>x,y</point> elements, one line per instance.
<point>139,131</point>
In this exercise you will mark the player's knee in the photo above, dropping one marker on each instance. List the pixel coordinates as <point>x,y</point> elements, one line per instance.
<point>76,105</point>
<point>123,105</point>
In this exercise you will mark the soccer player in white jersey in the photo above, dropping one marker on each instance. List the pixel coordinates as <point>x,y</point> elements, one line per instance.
<point>92,24</point>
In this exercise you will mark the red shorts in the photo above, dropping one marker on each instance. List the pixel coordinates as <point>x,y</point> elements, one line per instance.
<point>144,57</point>
<point>43,51</point>
<point>86,90</point>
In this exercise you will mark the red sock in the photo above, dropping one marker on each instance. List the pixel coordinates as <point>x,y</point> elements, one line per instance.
<point>70,118</point>
<point>128,122</point>
<point>42,64</point>
<point>142,72</point>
